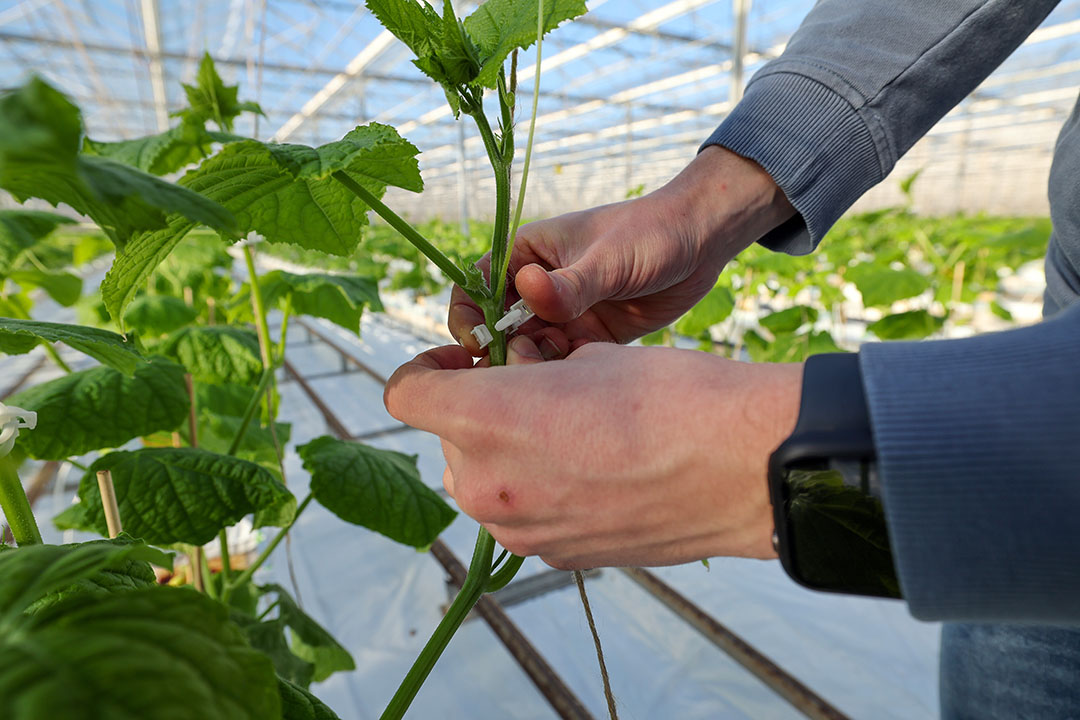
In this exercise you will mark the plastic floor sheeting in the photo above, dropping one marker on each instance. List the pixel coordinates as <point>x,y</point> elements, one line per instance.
<point>381,600</point>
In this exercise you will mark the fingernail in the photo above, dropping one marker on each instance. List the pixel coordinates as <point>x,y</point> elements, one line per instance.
<point>526,348</point>
<point>549,349</point>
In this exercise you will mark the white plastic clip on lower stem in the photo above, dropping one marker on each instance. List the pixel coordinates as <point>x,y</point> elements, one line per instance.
<point>483,335</point>
<point>518,314</point>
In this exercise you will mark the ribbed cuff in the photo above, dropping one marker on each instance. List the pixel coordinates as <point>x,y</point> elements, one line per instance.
<point>813,142</point>
<point>978,444</point>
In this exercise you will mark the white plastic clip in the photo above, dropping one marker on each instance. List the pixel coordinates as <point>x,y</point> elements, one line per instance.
<point>13,419</point>
<point>482,335</point>
<point>518,314</point>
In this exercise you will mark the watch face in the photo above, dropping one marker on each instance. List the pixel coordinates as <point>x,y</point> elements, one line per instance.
<point>834,535</point>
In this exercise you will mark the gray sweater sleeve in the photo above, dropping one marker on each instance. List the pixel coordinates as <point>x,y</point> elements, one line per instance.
<point>859,83</point>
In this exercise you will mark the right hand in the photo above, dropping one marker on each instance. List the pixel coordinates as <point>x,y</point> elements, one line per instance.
<point>616,272</point>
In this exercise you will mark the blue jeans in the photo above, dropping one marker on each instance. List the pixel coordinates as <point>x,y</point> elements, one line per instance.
<point>1010,672</point>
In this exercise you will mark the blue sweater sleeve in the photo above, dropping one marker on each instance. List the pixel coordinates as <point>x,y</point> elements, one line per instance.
<point>858,85</point>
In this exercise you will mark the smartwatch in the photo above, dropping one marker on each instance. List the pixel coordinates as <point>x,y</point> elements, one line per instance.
<point>823,483</point>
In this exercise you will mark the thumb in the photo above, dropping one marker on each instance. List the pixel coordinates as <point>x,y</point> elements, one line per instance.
<point>523,351</point>
<point>563,294</point>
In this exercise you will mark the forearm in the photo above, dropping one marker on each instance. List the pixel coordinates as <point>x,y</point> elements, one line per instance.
<point>857,86</point>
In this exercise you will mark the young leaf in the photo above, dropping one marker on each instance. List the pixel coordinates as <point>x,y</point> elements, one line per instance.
<point>131,655</point>
<point>210,99</point>
<point>20,336</point>
<point>63,287</point>
<point>913,325</point>
<point>299,704</point>
<point>499,26</point>
<point>283,192</point>
<point>881,287</point>
<point>102,408</point>
<point>20,230</point>
<point>310,641</point>
<point>170,495</point>
<point>160,154</point>
<point>378,489</point>
<point>217,354</point>
<point>414,23</point>
<point>269,638</point>
<point>338,298</point>
<point>711,310</point>
<point>788,321</point>
<point>156,315</point>
<point>40,134</point>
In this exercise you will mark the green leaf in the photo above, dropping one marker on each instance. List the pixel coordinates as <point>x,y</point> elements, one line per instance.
<point>913,325</point>
<point>499,26</point>
<point>20,336</point>
<point>999,310</point>
<point>171,495</point>
<point>269,638</point>
<point>147,653</point>
<point>210,99</point>
<point>378,489</point>
<point>822,342</point>
<point>40,134</point>
<point>32,573</point>
<point>20,230</point>
<point>217,354</point>
<point>310,641</point>
<point>790,320</point>
<point>414,23</point>
<point>102,408</point>
<point>216,433</point>
<point>338,298</point>
<point>63,287</point>
<point>159,154</point>
<point>156,315</point>
<point>711,310</point>
<point>299,704</point>
<point>283,192</point>
<point>883,286</point>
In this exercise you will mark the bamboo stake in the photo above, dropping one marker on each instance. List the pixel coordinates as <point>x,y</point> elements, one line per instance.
<point>108,501</point>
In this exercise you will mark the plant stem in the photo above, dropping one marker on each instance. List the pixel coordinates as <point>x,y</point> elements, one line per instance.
<point>16,507</point>
<point>505,574</point>
<point>432,253</point>
<point>226,561</point>
<point>284,329</point>
<point>245,576</point>
<point>467,597</point>
<point>251,409</point>
<point>51,352</point>
<point>261,324</point>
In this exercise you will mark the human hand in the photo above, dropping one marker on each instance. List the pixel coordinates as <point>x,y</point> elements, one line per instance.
<point>614,456</point>
<point>617,272</point>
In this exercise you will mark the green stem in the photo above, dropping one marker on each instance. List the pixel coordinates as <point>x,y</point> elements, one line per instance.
<point>474,586</point>
<point>268,610</point>
<point>505,574</point>
<point>226,561</point>
<point>261,323</point>
<point>284,329</point>
<point>245,576</point>
<point>207,576</point>
<point>250,410</point>
<point>16,507</point>
<point>452,271</point>
<point>77,464</point>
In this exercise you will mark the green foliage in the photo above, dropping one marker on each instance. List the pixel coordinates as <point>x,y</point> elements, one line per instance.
<point>156,315</point>
<point>790,320</point>
<point>378,489</point>
<point>22,230</point>
<point>218,354</point>
<point>283,192</point>
<point>102,407</point>
<point>711,310</point>
<point>211,100</point>
<point>298,704</point>
<point>338,298</point>
<point>881,287</point>
<point>183,495</point>
<point>40,137</point>
<point>159,154</point>
<point>20,336</point>
<point>136,654</point>
<point>913,325</point>
<point>310,641</point>
<point>62,287</point>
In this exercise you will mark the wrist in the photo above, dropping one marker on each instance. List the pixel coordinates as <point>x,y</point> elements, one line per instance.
<point>726,202</point>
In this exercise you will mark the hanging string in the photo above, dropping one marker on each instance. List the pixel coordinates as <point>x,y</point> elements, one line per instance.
<point>580,579</point>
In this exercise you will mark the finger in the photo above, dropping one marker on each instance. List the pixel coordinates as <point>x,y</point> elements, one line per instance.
<point>523,351</point>
<point>563,294</point>
<point>423,392</point>
<point>448,481</point>
<point>552,342</point>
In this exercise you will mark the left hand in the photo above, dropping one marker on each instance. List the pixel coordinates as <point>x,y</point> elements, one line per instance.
<point>614,456</point>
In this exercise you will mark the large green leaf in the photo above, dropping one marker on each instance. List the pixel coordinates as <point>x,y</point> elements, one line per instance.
<point>20,230</point>
<point>210,99</point>
<point>32,573</point>
<point>170,495</point>
<point>217,354</point>
<point>40,135</point>
<point>268,637</point>
<point>20,336</point>
<point>299,704</point>
<point>63,287</point>
<point>155,315</point>
<point>711,310</point>
<point>338,298</point>
<point>310,641</point>
<point>378,489</point>
<point>789,320</point>
<point>884,286</point>
<point>102,408</point>
<point>283,192</point>
<point>149,653</point>
<point>159,154</point>
<point>499,26</point>
<point>913,325</point>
